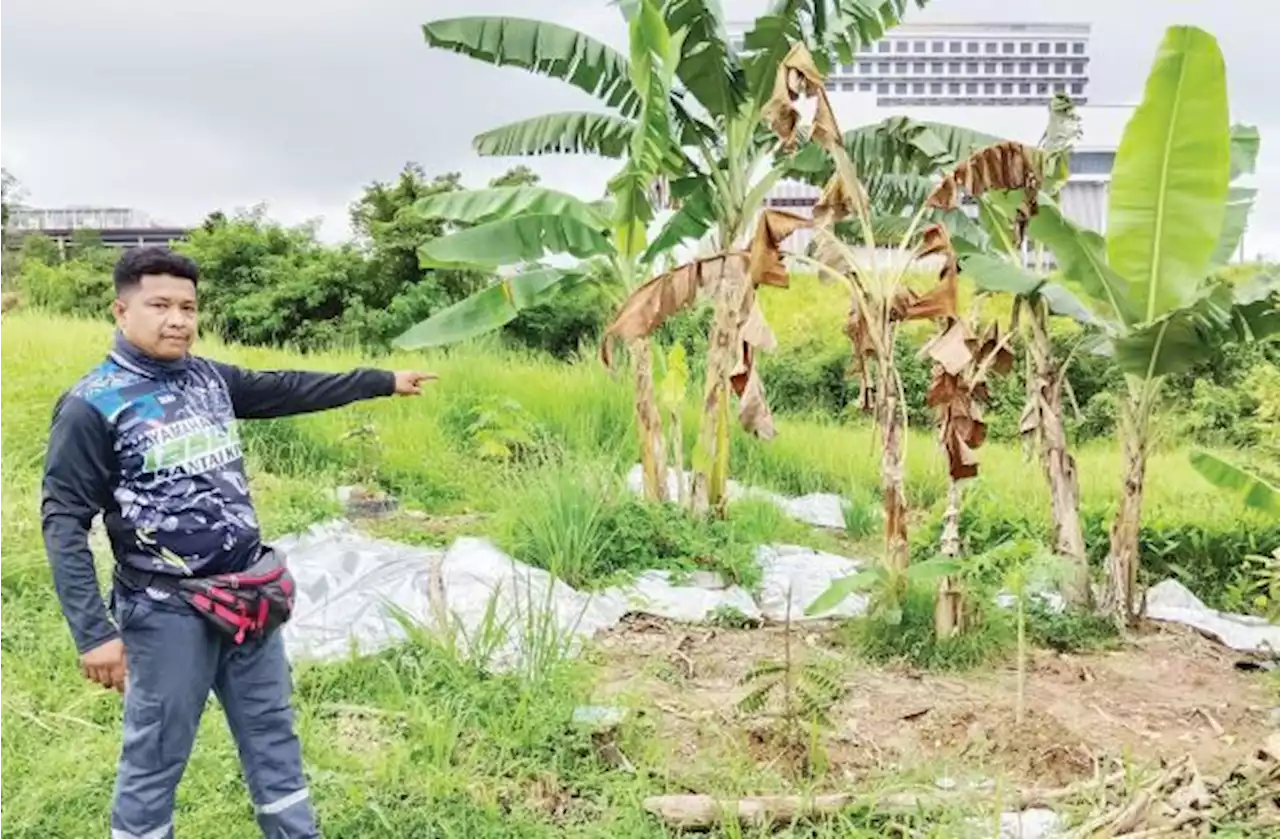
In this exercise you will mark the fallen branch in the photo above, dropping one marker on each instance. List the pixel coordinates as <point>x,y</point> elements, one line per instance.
<point>706,811</point>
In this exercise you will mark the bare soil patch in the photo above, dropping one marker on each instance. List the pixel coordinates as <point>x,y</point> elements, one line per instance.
<point>1167,693</point>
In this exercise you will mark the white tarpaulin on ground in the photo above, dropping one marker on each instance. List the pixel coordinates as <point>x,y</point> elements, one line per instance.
<point>355,591</point>
<point>1172,601</point>
<point>820,509</point>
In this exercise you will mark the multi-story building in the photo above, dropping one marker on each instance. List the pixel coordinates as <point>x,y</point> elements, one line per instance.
<point>994,78</point>
<point>967,64</point>
<point>119,227</point>
<point>76,218</point>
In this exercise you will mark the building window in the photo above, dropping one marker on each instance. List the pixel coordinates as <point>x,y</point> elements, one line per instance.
<point>1077,88</point>
<point>1077,67</point>
<point>972,47</point>
<point>1025,87</point>
<point>830,86</point>
<point>1008,48</point>
<point>954,67</point>
<point>1059,87</point>
<point>918,46</point>
<point>935,87</point>
<point>901,46</point>
<point>865,87</point>
<point>918,67</point>
<point>989,67</point>
<point>1060,68</point>
<point>847,69</point>
<point>953,87</point>
<point>1006,87</point>
<point>937,67</point>
<point>846,86</point>
<point>883,46</point>
<point>992,47</point>
<point>900,87</point>
<point>1043,48</point>
<point>1042,69</point>
<point>1060,48</point>
<point>882,87</point>
<point>1077,48</point>
<point>1025,68</point>
<point>901,69</point>
<point>864,67</point>
<point>917,87</point>
<point>971,68</point>
<point>939,46</point>
<point>1025,48</point>
<point>883,68</point>
<point>1042,87</point>
<point>971,87</point>
<point>989,87</point>
<point>955,48</point>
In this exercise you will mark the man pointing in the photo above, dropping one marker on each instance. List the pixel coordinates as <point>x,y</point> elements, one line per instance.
<point>148,438</point>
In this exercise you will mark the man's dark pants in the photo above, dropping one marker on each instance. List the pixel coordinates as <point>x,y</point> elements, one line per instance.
<point>175,658</point>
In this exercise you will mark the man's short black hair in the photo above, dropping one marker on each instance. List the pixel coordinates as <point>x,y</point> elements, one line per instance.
<point>156,259</point>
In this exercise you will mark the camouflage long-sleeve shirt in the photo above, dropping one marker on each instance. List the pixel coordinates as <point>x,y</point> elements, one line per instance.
<point>154,447</point>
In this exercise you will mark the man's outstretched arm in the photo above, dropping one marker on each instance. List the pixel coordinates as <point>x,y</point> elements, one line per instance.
<point>282,393</point>
<point>77,484</point>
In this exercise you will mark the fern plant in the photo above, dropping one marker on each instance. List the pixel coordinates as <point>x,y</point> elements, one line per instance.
<point>808,689</point>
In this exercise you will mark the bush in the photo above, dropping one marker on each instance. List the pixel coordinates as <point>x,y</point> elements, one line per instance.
<point>74,288</point>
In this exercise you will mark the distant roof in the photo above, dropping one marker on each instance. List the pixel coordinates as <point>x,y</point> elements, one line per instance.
<point>1102,126</point>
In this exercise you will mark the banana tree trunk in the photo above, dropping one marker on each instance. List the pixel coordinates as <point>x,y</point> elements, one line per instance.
<point>892,431</point>
<point>1059,465</point>
<point>948,612</point>
<point>1122,561</point>
<point>711,457</point>
<point>653,460</point>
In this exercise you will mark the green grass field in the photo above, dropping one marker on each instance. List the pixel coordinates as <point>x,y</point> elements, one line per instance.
<point>413,742</point>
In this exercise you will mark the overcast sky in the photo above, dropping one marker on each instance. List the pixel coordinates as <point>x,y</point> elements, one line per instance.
<point>178,108</point>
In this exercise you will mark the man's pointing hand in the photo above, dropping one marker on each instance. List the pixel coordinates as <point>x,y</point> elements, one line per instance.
<point>409,382</point>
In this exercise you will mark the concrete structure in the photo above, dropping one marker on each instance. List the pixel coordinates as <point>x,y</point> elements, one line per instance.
<point>117,227</point>
<point>967,64</point>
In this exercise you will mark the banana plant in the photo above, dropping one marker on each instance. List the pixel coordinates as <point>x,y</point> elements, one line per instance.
<point>723,159</point>
<point>999,270</point>
<point>1170,219</point>
<point>518,227</point>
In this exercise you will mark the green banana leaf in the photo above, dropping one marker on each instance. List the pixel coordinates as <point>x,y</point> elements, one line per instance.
<point>1170,179</point>
<point>1251,488</point>
<point>1082,257</point>
<point>479,206</point>
<point>572,132</point>
<point>509,241</point>
<point>488,309</point>
<point>541,47</point>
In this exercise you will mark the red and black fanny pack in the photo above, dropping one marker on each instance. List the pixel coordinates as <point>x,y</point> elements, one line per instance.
<point>246,605</point>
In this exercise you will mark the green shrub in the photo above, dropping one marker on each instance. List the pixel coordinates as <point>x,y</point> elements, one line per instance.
<point>988,637</point>
<point>75,288</point>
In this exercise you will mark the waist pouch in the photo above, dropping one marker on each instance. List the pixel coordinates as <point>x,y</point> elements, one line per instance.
<point>245,605</point>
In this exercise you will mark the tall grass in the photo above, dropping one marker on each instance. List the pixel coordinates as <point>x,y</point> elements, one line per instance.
<point>419,741</point>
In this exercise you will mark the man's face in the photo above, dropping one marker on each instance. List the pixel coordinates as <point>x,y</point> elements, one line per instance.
<point>158,316</point>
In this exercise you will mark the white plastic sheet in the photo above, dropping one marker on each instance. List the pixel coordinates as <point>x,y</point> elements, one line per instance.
<point>352,588</point>
<point>355,590</point>
<point>1171,601</point>
<point>820,509</point>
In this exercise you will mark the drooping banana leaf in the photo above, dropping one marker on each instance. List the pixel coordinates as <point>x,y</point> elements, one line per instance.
<point>1252,489</point>
<point>541,47</point>
<point>488,309</point>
